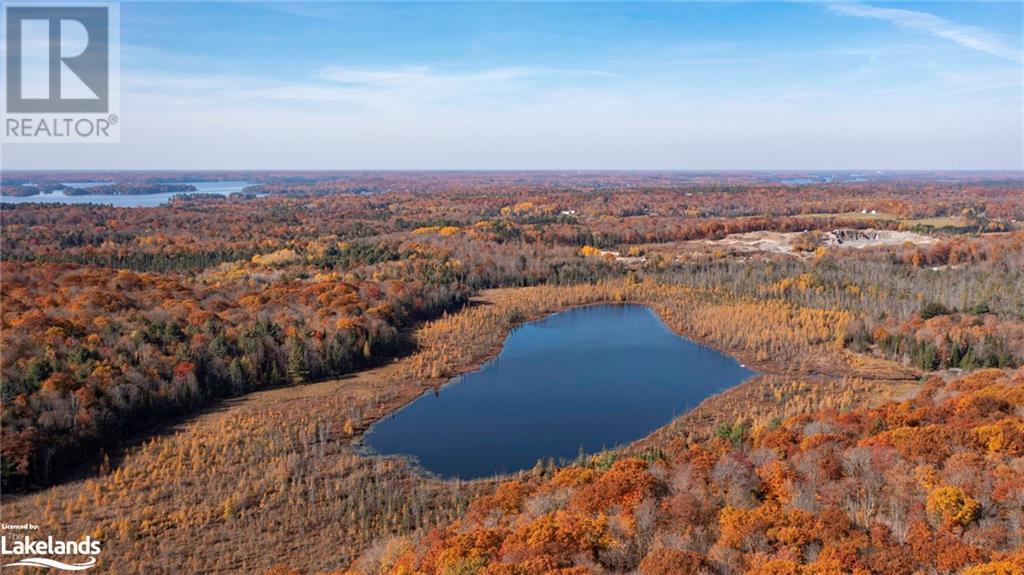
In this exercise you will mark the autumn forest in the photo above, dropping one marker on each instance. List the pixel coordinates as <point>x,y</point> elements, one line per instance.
<point>204,371</point>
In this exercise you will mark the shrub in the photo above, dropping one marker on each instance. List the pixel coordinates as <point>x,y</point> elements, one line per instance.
<point>932,309</point>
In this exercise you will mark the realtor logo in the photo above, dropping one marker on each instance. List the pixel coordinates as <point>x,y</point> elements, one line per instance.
<point>67,59</point>
<point>61,80</point>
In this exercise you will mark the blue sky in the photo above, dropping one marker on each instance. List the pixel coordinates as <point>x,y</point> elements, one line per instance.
<point>689,85</point>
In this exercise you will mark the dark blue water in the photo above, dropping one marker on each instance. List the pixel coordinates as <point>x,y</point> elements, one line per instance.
<point>593,377</point>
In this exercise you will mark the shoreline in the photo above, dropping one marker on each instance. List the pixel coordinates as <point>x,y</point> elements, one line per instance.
<point>761,370</point>
<point>406,388</point>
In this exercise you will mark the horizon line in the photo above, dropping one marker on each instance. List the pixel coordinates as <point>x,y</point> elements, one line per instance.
<point>523,170</point>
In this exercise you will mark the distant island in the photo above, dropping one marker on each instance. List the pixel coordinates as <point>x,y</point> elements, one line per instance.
<point>126,189</point>
<point>112,189</point>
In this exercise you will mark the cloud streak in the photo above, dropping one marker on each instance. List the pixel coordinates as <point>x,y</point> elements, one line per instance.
<point>971,37</point>
<point>361,89</point>
<point>423,77</point>
<point>413,77</point>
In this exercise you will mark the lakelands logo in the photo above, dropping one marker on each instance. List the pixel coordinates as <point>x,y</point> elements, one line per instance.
<point>29,550</point>
<point>62,78</point>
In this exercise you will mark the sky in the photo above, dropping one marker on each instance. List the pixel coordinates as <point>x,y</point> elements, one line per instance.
<point>686,85</point>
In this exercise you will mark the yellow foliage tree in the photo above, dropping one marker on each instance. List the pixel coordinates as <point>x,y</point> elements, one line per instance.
<point>952,506</point>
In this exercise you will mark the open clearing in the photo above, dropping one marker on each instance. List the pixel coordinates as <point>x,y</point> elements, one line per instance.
<point>785,242</point>
<point>934,222</point>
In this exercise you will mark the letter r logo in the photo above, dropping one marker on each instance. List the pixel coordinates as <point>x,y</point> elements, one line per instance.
<point>58,59</point>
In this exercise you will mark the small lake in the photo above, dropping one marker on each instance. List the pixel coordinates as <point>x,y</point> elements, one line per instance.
<point>127,200</point>
<point>592,377</point>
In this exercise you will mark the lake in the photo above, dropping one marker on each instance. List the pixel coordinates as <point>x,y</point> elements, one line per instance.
<point>592,377</point>
<point>127,200</point>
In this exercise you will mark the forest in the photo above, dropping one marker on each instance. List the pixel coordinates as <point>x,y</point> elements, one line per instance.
<point>929,484</point>
<point>269,329</point>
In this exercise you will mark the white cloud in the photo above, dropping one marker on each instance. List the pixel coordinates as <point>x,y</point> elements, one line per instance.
<point>971,37</point>
<point>393,89</point>
<point>422,76</point>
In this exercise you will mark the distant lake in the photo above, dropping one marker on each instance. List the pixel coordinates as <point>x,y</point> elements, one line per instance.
<point>833,179</point>
<point>592,377</point>
<point>128,200</point>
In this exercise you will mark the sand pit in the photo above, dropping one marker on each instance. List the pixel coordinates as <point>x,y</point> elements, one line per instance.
<point>785,242</point>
